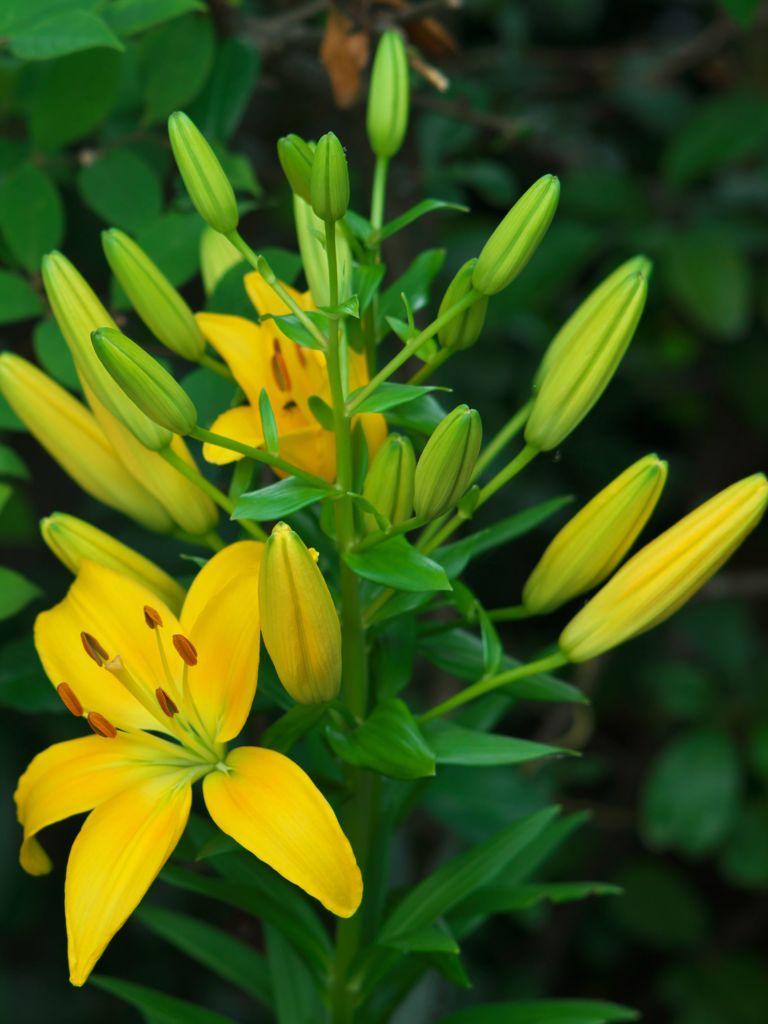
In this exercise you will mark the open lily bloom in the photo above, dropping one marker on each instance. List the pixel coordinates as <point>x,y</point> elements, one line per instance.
<point>261,357</point>
<point>163,697</point>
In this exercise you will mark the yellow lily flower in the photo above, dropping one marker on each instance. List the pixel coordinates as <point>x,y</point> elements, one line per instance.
<point>261,357</point>
<point>163,697</point>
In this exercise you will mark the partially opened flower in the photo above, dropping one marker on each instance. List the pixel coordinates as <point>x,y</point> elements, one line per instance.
<point>163,697</point>
<point>261,357</point>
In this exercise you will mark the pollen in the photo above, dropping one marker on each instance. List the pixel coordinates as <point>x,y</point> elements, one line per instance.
<point>185,649</point>
<point>101,725</point>
<point>167,705</point>
<point>152,617</point>
<point>69,699</point>
<point>94,649</point>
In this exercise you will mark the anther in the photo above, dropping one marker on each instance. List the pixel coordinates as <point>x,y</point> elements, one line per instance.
<point>185,649</point>
<point>152,617</point>
<point>69,699</point>
<point>167,705</point>
<point>315,554</point>
<point>94,649</point>
<point>280,372</point>
<point>101,725</point>
<point>290,404</point>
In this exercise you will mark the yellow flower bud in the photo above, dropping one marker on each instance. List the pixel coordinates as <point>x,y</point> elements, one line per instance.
<point>464,330</point>
<point>74,541</point>
<point>309,232</point>
<point>73,438</point>
<point>296,157</point>
<point>594,542</point>
<point>145,381</point>
<point>516,239</point>
<point>329,188</point>
<point>78,312</point>
<point>389,483</point>
<point>582,368</point>
<point>217,257</point>
<point>389,96</point>
<point>445,467</point>
<point>204,178</point>
<point>299,622</point>
<point>153,296</point>
<point>666,573</point>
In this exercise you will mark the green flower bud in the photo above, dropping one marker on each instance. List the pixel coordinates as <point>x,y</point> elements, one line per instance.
<point>388,97</point>
<point>203,176</point>
<point>145,381</point>
<point>217,257</point>
<point>330,179</point>
<point>389,483</point>
<point>582,367</point>
<point>516,239</point>
<point>445,467</point>
<point>153,296</point>
<point>309,231</point>
<point>296,158</point>
<point>464,330</point>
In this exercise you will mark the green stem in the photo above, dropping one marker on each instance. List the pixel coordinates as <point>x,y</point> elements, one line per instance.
<point>513,613</point>
<point>508,432</point>
<point>483,686</point>
<point>394,531</point>
<point>216,365</point>
<point>434,364</point>
<point>378,198</point>
<point>258,455</point>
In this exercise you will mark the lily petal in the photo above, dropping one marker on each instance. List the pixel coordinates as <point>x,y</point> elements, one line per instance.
<point>271,807</point>
<point>240,424</point>
<point>116,856</point>
<point>245,348</point>
<point>266,300</point>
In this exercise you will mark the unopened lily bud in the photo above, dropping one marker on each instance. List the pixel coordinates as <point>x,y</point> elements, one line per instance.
<point>464,330</point>
<point>517,238</point>
<point>74,541</point>
<point>390,481</point>
<point>445,467</point>
<point>389,96</point>
<point>329,189</point>
<point>581,370</point>
<point>594,542</point>
<point>73,438</point>
<point>666,573</point>
<point>217,257</point>
<point>145,381</point>
<point>309,232</point>
<point>153,296</point>
<point>299,621</point>
<point>296,157</point>
<point>204,179</point>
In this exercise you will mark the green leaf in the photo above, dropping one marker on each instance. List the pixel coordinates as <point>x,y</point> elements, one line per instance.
<point>396,563</point>
<point>513,898</point>
<point>72,96</point>
<point>177,59</point>
<point>543,1011</point>
<point>742,11</point>
<point>389,396</point>
<point>453,744</point>
<point>661,907</point>
<point>278,500</point>
<point>297,996</point>
<point>172,241</point>
<point>322,412</point>
<point>31,215</point>
<point>437,939</point>
<point>414,283</point>
<point>12,464</point>
<point>62,34</point>
<point>493,651</point>
<point>157,1007</point>
<point>292,328</point>
<point>454,881</point>
<point>388,742</point>
<point>744,860</point>
<point>18,300</point>
<point>16,592</point>
<point>419,210</point>
<point>690,798</point>
<point>54,355</point>
<point>420,416</point>
<point>283,734</point>
<point>268,424</point>
<point>128,17</point>
<point>367,279</point>
<point>219,109</point>
<point>215,949</point>
<point>122,189</point>
<point>348,307</point>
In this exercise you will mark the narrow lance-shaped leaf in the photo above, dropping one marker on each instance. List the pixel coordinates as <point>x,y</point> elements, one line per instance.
<point>278,500</point>
<point>388,742</point>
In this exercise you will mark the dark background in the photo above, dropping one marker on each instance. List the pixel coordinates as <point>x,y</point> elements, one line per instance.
<point>655,117</point>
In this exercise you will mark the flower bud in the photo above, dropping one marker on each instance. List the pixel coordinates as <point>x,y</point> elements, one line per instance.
<point>388,96</point>
<point>329,187</point>
<point>389,483</point>
<point>73,438</point>
<point>516,239</point>
<point>78,312</point>
<point>594,542</point>
<point>299,622</point>
<point>74,541</point>
<point>217,257</point>
<point>153,296</point>
<point>309,231</point>
<point>666,573</point>
<point>296,157</point>
<point>445,467</point>
<point>581,369</point>
<point>204,178</point>
<point>145,381</point>
<point>464,330</point>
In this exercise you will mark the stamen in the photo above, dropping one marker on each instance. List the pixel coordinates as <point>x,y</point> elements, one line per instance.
<point>69,699</point>
<point>165,702</point>
<point>315,554</point>
<point>94,649</point>
<point>280,372</point>
<point>152,617</point>
<point>290,404</point>
<point>101,725</point>
<point>185,649</point>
